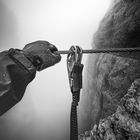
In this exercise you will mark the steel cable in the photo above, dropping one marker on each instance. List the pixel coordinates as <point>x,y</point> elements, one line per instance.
<point>111,50</point>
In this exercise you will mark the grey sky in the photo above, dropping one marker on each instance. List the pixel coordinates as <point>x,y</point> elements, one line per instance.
<point>45,108</point>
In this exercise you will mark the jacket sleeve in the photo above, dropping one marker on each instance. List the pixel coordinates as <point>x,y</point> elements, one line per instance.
<point>16,72</point>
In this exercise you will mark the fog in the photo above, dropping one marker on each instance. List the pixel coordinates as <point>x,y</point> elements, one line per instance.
<point>43,113</point>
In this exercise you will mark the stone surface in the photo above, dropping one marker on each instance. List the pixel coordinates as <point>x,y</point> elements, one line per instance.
<point>124,124</point>
<point>109,76</point>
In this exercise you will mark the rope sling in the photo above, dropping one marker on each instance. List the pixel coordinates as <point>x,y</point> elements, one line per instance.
<point>75,68</point>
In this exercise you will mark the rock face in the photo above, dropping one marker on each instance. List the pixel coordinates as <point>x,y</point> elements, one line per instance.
<point>124,124</point>
<point>109,76</point>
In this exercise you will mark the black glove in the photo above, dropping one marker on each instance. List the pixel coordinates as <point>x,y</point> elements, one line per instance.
<point>41,54</point>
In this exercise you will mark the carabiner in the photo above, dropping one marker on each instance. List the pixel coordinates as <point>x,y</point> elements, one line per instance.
<point>75,68</point>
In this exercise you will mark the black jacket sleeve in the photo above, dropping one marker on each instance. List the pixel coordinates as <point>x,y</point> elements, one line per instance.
<point>16,72</point>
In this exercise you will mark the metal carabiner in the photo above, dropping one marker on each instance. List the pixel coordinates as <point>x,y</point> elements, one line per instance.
<point>75,68</point>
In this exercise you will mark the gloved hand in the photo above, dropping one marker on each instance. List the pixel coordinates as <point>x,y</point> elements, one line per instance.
<point>41,54</point>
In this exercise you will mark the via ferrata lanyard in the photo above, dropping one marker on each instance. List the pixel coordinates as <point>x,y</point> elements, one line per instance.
<point>74,68</point>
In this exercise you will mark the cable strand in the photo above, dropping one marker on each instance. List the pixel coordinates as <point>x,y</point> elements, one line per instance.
<point>111,50</point>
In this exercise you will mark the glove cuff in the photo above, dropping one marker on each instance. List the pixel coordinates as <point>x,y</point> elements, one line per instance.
<point>19,58</point>
<point>34,59</point>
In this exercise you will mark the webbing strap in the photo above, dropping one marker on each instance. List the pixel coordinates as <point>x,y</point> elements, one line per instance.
<point>73,117</point>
